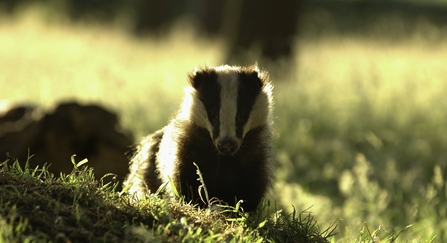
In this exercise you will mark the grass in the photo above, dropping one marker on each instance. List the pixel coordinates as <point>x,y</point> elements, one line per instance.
<point>37,207</point>
<point>366,134</point>
<point>360,126</point>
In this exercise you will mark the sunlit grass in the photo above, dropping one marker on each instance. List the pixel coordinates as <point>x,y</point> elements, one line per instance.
<point>362,129</point>
<point>361,124</point>
<point>45,63</point>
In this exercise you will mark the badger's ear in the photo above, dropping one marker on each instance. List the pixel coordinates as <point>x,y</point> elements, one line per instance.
<point>195,78</point>
<point>261,75</point>
<point>252,74</point>
<point>199,76</point>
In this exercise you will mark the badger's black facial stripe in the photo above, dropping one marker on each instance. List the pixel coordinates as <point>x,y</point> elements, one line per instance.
<point>249,88</point>
<point>208,89</point>
<point>203,77</point>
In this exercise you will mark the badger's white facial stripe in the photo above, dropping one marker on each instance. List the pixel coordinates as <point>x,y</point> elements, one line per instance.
<point>228,98</point>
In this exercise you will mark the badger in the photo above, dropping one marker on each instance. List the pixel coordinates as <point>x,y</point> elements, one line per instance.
<point>224,127</point>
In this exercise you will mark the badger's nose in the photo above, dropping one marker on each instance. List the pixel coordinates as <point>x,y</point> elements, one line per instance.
<point>227,146</point>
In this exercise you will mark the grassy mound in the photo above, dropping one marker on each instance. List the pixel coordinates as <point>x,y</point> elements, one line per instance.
<point>37,207</point>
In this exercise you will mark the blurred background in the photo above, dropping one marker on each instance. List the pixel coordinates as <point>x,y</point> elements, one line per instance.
<point>360,106</point>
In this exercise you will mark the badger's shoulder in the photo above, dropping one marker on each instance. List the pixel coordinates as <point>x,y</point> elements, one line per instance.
<point>143,168</point>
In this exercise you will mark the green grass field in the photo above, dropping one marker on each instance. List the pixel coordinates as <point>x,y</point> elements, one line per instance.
<point>361,124</point>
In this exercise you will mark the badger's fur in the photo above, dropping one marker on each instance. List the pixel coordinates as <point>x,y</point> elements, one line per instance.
<point>224,126</point>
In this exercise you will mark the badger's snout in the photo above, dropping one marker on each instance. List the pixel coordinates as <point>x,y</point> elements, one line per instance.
<point>227,146</point>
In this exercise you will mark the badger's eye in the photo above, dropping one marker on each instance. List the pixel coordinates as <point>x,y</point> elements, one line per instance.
<point>212,114</point>
<point>242,115</point>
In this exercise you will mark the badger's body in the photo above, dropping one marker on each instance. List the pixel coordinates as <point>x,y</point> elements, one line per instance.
<point>224,126</point>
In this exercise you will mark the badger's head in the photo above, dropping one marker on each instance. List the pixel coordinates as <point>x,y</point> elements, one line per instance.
<point>229,102</point>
